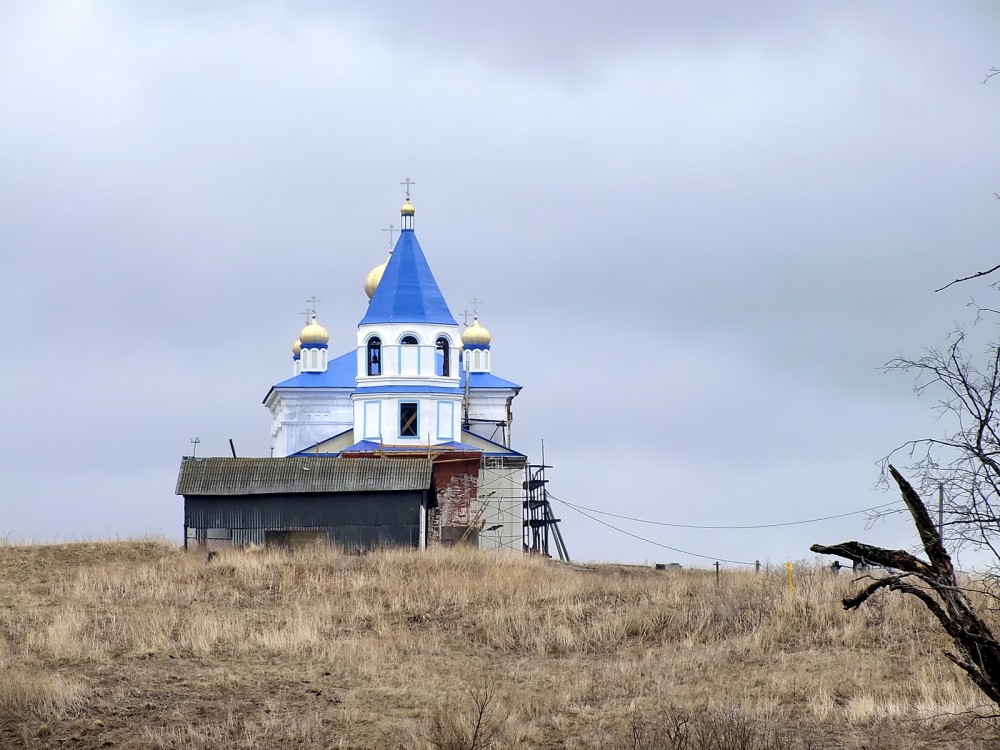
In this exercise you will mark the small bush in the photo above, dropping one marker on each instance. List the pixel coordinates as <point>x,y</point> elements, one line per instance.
<point>479,727</point>
<point>676,729</point>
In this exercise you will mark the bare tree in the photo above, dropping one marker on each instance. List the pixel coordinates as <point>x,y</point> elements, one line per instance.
<point>967,460</point>
<point>933,582</point>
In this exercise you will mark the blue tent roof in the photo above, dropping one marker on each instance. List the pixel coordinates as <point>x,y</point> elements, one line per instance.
<point>408,292</point>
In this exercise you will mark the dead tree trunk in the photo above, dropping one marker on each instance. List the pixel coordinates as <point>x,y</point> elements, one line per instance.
<point>933,582</point>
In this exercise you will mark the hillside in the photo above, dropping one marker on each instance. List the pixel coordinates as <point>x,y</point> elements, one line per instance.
<point>139,645</point>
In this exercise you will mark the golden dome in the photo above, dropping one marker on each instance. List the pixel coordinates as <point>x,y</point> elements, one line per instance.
<point>407,209</point>
<point>374,277</point>
<point>314,333</point>
<point>297,348</point>
<point>476,335</point>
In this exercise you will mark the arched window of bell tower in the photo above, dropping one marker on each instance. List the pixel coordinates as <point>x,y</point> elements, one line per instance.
<point>444,352</point>
<point>374,356</point>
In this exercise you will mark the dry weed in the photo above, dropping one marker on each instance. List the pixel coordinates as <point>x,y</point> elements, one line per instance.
<point>265,649</point>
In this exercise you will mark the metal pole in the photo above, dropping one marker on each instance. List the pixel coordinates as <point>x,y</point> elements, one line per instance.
<point>716,572</point>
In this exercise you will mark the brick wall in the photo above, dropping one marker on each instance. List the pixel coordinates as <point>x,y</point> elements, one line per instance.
<point>456,481</point>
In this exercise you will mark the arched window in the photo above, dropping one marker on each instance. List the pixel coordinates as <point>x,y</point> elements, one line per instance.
<point>444,351</point>
<point>374,356</point>
<point>408,341</point>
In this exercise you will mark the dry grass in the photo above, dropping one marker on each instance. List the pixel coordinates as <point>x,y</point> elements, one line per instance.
<point>143,646</point>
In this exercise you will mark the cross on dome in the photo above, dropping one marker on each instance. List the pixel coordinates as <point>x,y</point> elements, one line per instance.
<point>391,229</point>
<point>407,182</point>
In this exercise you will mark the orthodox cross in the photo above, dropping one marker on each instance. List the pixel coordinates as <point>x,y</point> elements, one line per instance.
<point>407,182</point>
<point>194,447</point>
<point>465,316</point>
<point>307,312</point>
<point>475,306</point>
<point>391,229</point>
<point>311,302</point>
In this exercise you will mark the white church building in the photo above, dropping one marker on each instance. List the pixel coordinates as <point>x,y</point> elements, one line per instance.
<point>417,383</point>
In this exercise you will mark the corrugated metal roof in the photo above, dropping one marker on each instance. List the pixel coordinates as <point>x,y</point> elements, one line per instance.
<point>265,476</point>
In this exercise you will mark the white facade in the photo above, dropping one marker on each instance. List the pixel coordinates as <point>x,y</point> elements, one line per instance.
<point>406,363</point>
<point>408,384</point>
<point>490,413</point>
<point>303,417</point>
<point>386,418</point>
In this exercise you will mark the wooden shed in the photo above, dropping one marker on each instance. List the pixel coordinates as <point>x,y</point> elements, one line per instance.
<point>356,503</point>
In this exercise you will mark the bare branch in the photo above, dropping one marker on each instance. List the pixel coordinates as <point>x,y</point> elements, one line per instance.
<point>865,554</point>
<point>973,276</point>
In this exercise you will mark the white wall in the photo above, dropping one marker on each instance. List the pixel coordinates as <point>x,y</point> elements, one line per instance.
<point>439,416</point>
<point>406,363</point>
<point>501,495</point>
<point>301,417</point>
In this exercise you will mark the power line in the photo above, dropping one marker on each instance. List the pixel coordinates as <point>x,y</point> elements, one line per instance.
<point>644,539</point>
<point>753,526</point>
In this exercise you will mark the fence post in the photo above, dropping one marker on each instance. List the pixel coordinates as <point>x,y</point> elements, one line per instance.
<point>716,572</point>
<point>756,566</point>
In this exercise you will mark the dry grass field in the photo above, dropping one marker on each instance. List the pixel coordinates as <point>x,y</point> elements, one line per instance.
<point>139,645</point>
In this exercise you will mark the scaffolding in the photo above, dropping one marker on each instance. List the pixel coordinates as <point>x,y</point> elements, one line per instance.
<point>540,525</point>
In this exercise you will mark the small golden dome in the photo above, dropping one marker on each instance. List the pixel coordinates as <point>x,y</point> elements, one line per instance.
<point>297,348</point>
<point>314,333</point>
<point>407,209</point>
<point>476,335</point>
<point>374,277</point>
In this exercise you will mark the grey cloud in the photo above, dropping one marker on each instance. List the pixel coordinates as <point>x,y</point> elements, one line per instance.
<point>697,232</point>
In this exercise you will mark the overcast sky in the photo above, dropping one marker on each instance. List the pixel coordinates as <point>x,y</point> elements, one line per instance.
<point>697,230</point>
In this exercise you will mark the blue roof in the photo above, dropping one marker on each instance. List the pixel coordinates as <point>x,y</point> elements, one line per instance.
<point>485,380</point>
<point>408,292</point>
<point>504,450</point>
<point>341,372</point>
<point>371,445</point>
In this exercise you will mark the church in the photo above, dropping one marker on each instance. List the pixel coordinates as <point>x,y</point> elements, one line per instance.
<point>417,386</point>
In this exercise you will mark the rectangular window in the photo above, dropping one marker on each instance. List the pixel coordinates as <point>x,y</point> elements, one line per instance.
<point>407,419</point>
